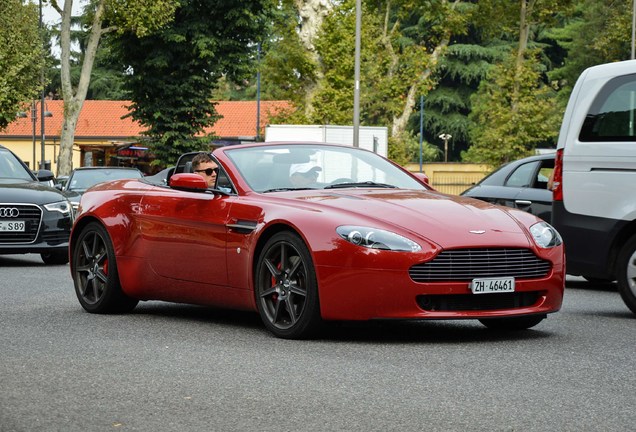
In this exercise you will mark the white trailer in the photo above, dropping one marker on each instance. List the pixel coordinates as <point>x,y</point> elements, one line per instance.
<point>373,138</point>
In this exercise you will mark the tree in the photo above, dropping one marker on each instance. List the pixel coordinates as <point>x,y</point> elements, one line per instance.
<point>175,70</point>
<point>597,32</point>
<point>21,58</point>
<point>447,106</point>
<point>500,133</point>
<point>106,16</point>
<point>106,78</point>
<point>416,35</point>
<point>514,109</point>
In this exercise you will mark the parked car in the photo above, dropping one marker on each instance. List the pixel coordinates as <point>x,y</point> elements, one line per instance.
<point>60,181</point>
<point>161,177</point>
<point>34,217</point>
<point>83,178</point>
<point>364,239</point>
<point>594,195</point>
<point>521,184</point>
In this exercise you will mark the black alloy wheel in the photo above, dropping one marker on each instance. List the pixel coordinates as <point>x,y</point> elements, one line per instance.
<point>95,273</point>
<point>286,289</point>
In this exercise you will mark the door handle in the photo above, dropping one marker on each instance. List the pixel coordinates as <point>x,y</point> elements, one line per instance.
<point>523,203</point>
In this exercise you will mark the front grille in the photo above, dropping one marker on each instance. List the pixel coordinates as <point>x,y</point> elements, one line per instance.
<point>31,214</point>
<point>468,264</point>
<point>467,302</point>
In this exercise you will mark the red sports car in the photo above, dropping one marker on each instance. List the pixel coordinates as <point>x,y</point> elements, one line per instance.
<point>308,232</point>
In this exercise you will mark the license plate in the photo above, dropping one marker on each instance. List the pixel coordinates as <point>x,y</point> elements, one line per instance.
<point>15,226</point>
<point>492,285</point>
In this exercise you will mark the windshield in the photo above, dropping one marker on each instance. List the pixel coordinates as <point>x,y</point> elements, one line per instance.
<point>293,167</point>
<point>83,179</point>
<point>11,168</point>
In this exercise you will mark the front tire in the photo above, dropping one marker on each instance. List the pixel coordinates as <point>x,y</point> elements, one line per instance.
<point>514,324</point>
<point>55,257</point>
<point>286,288</point>
<point>95,273</point>
<point>626,273</point>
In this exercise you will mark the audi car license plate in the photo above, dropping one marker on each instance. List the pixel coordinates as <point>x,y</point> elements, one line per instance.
<point>492,285</point>
<point>15,226</point>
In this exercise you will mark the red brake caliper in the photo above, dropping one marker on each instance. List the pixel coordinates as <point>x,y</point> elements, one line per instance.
<point>275,295</point>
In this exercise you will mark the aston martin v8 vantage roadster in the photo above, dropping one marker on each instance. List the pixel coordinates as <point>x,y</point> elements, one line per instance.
<point>304,233</point>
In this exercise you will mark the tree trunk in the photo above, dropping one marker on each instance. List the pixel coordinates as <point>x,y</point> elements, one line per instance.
<point>312,14</point>
<point>74,99</point>
<point>400,121</point>
<point>524,34</point>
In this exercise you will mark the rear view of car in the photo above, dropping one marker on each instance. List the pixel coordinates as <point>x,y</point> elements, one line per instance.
<point>594,205</point>
<point>34,217</point>
<point>521,184</point>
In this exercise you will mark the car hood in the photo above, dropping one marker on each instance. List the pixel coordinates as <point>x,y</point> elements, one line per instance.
<point>445,220</point>
<point>74,196</point>
<point>15,191</point>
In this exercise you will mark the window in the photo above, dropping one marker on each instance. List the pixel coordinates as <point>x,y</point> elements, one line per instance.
<point>611,116</point>
<point>523,176</point>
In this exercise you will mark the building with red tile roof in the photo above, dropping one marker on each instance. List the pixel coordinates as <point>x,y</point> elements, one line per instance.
<point>103,127</point>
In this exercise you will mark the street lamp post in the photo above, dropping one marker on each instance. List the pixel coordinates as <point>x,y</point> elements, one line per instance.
<point>42,112</point>
<point>34,122</point>
<point>356,77</point>
<point>445,137</point>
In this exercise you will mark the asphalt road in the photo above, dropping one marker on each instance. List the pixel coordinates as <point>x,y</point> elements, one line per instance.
<point>168,367</point>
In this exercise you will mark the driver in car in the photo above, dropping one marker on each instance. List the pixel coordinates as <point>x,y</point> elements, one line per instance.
<point>304,175</point>
<point>203,165</point>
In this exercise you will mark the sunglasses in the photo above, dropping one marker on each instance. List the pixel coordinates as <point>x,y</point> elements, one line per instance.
<point>208,171</point>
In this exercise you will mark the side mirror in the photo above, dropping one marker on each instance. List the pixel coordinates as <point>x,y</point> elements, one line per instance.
<point>423,178</point>
<point>45,175</point>
<point>188,182</point>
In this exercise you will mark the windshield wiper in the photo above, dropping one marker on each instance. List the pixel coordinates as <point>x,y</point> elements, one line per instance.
<point>360,184</point>
<point>284,189</point>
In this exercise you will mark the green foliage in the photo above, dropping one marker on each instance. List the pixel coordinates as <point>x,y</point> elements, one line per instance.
<point>333,102</point>
<point>175,70</point>
<point>21,57</point>
<point>405,149</point>
<point>598,32</point>
<point>512,113</point>
<point>447,106</point>
<point>500,19</point>
<point>140,17</point>
<point>287,68</point>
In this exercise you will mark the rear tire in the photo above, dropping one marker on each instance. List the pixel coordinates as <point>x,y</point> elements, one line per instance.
<point>95,273</point>
<point>626,273</point>
<point>513,324</point>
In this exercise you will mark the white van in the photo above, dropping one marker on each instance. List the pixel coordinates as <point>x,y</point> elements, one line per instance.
<point>594,192</point>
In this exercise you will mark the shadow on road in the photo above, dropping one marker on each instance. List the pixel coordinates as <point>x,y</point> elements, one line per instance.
<point>28,260</point>
<point>451,332</point>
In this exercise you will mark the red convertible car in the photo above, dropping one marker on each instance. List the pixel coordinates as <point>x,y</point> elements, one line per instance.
<point>305,233</point>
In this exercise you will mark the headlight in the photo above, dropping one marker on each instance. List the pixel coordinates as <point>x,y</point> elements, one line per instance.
<point>545,235</point>
<point>63,207</point>
<point>376,239</point>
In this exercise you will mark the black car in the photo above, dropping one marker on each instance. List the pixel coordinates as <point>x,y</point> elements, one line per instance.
<point>161,177</point>
<point>521,184</point>
<point>34,217</point>
<point>83,178</point>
